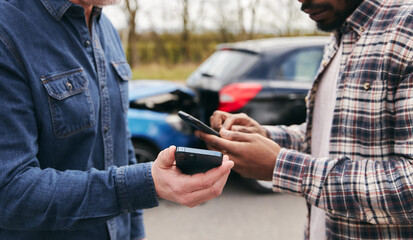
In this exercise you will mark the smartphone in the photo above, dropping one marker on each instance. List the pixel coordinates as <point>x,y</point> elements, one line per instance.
<point>196,123</point>
<point>193,160</point>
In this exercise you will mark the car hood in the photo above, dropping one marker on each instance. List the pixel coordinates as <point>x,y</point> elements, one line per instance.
<point>140,89</point>
<point>161,96</point>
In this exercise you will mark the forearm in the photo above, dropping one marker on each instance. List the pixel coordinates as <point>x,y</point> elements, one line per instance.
<point>36,199</point>
<point>372,191</point>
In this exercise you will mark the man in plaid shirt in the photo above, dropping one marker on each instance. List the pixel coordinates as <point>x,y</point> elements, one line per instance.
<point>352,158</point>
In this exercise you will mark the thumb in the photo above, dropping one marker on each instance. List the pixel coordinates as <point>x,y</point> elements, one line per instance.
<point>166,158</point>
<point>235,136</point>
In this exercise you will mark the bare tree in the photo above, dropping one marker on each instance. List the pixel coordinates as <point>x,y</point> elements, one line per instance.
<point>293,15</point>
<point>132,7</point>
<point>250,10</point>
<point>223,19</point>
<point>241,21</point>
<point>254,5</point>
<point>286,13</point>
<point>185,36</point>
<point>198,21</point>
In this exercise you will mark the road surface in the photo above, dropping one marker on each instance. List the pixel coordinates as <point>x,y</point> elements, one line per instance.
<point>237,214</point>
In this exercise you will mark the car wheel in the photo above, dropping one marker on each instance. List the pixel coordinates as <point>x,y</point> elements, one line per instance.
<point>144,152</point>
<point>259,185</point>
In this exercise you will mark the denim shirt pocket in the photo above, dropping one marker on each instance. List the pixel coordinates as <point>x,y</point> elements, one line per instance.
<point>71,105</point>
<point>124,74</point>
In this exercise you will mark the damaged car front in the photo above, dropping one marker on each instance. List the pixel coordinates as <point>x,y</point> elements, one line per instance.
<point>153,120</point>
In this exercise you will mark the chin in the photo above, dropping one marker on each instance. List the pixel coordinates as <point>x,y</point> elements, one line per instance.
<point>330,26</point>
<point>326,28</point>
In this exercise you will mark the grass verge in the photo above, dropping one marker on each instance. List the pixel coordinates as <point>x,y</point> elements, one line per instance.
<point>177,72</point>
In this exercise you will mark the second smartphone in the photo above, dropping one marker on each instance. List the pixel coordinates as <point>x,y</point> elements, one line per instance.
<point>196,123</point>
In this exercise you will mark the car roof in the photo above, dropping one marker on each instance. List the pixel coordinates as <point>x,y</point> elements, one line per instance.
<point>269,44</point>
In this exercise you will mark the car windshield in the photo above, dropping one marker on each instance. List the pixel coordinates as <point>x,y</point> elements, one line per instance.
<point>227,64</point>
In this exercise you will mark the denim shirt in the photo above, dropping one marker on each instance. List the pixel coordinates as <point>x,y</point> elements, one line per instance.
<point>65,145</point>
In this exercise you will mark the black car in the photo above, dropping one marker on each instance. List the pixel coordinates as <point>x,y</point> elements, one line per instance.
<point>267,79</point>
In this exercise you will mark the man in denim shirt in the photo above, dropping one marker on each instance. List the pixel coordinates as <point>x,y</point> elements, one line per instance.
<point>65,145</point>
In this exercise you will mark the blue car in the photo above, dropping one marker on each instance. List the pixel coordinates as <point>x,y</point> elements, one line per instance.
<point>153,120</point>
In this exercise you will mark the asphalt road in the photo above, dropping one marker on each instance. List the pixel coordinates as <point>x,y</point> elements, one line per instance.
<point>238,214</point>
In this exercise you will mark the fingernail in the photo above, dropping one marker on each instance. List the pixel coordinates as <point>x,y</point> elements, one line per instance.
<point>224,133</point>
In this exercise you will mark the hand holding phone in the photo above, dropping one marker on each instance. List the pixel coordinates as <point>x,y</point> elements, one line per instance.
<point>196,123</point>
<point>192,160</point>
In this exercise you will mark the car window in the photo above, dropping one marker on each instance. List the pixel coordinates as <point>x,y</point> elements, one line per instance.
<point>226,64</point>
<point>299,66</point>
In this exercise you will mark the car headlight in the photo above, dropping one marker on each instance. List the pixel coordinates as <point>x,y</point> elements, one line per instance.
<point>178,124</point>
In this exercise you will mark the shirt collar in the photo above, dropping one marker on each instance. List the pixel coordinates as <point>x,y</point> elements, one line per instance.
<point>57,8</point>
<point>362,16</point>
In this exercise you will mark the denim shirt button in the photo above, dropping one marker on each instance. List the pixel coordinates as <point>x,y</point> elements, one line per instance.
<point>106,129</point>
<point>87,43</point>
<point>69,86</point>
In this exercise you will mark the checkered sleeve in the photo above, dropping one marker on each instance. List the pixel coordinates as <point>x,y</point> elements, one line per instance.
<point>375,192</point>
<point>292,137</point>
<point>378,192</point>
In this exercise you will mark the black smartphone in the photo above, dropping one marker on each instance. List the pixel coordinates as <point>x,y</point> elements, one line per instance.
<point>193,160</point>
<point>196,123</point>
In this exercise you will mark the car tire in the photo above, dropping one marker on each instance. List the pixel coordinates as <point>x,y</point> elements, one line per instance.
<point>144,152</point>
<point>259,185</point>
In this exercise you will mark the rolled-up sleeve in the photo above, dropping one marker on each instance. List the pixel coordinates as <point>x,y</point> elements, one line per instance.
<point>135,187</point>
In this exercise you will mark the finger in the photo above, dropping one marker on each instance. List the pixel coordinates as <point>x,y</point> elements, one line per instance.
<point>243,122</point>
<point>212,148</point>
<point>237,136</point>
<point>237,119</point>
<point>217,118</point>
<point>208,193</point>
<point>166,158</point>
<point>212,142</point>
<point>205,180</point>
<point>239,128</point>
<point>229,122</point>
<point>204,136</point>
<point>219,144</point>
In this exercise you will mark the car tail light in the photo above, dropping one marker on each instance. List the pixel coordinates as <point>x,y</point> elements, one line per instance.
<point>234,96</point>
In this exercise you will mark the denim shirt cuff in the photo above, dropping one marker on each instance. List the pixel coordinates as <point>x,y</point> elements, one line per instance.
<point>135,187</point>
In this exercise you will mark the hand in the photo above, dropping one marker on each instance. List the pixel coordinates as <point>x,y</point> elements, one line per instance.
<point>189,190</point>
<point>236,122</point>
<point>254,155</point>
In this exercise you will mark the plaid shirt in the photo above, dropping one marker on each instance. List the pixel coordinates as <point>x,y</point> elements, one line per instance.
<point>366,184</point>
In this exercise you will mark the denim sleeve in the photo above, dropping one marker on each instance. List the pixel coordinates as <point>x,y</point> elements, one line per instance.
<point>137,226</point>
<point>35,198</point>
<point>131,150</point>
<point>135,187</point>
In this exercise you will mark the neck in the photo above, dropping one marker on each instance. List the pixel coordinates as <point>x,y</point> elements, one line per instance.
<point>88,9</point>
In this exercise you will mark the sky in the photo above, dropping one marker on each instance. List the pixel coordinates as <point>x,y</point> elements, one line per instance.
<point>116,16</point>
<point>164,15</point>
